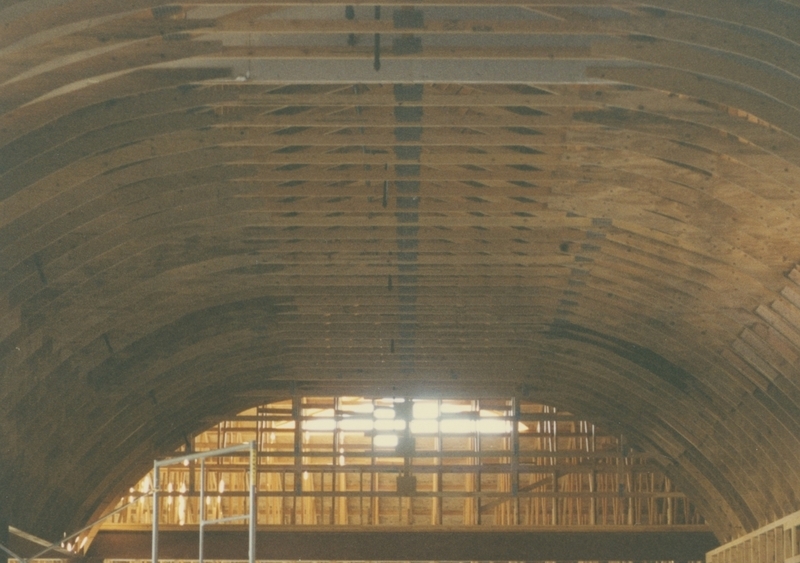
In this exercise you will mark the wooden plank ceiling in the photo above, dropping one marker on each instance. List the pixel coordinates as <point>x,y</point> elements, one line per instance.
<point>593,204</point>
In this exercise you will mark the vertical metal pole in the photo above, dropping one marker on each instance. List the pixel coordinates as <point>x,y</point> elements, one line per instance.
<point>202,508</point>
<point>156,485</point>
<point>253,507</point>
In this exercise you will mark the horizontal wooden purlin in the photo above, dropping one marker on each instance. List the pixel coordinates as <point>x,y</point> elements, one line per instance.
<point>346,94</point>
<point>349,359</point>
<point>510,51</point>
<point>438,173</point>
<point>520,288</point>
<point>536,284</point>
<point>549,19</point>
<point>407,70</point>
<point>386,263</point>
<point>389,136</point>
<point>557,416</point>
<point>376,252</point>
<point>379,389</point>
<point>483,495</point>
<point>244,12</point>
<point>577,134</point>
<point>281,263</point>
<point>493,146</point>
<point>371,302</point>
<point>374,306</point>
<point>388,219</point>
<point>308,159</point>
<point>461,95</point>
<point>140,55</point>
<point>547,156</point>
<point>346,359</point>
<point>523,292</point>
<point>532,4</point>
<point>438,116</point>
<point>349,174</point>
<point>342,151</point>
<point>338,308</point>
<point>484,469</point>
<point>469,368</point>
<point>346,151</point>
<point>680,543</point>
<point>589,37</point>
<point>626,461</point>
<point>236,94</point>
<point>538,131</point>
<point>476,29</point>
<point>271,246</point>
<point>563,469</point>
<point>293,51</point>
<point>390,263</point>
<point>772,112</point>
<point>760,77</point>
<point>376,139</point>
<point>352,239</point>
<point>430,166</point>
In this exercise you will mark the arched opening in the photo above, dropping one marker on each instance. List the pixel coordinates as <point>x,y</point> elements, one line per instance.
<point>452,462</point>
<point>415,464</point>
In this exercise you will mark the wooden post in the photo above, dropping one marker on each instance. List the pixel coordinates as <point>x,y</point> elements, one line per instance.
<point>593,500</point>
<point>476,479</point>
<point>554,513</point>
<point>439,514</point>
<point>436,501</point>
<point>514,447</point>
<point>375,516</point>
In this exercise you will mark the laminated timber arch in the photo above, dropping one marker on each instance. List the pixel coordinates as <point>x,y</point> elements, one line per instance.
<point>595,201</point>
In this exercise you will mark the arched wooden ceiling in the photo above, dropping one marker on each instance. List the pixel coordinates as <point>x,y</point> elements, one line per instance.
<point>590,202</point>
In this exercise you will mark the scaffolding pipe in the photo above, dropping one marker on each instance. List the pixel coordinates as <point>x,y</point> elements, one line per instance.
<point>253,502</point>
<point>12,554</point>
<point>202,508</point>
<point>202,457</point>
<point>155,512</point>
<point>57,545</point>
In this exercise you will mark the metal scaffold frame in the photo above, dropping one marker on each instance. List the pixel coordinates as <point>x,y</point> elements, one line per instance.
<point>202,456</point>
<point>59,545</point>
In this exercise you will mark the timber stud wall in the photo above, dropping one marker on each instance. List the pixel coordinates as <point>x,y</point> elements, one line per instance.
<point>321,462</point>
<point>778,542</point>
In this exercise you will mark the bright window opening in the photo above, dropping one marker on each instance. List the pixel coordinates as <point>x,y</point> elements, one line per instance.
<point>420,461</point>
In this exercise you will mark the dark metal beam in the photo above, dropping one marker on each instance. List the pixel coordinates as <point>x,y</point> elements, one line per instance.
<point>284,543</point>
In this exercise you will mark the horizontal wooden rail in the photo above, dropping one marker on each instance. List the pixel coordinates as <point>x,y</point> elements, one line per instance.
<point>776,542</point>
<point>684,543</point>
